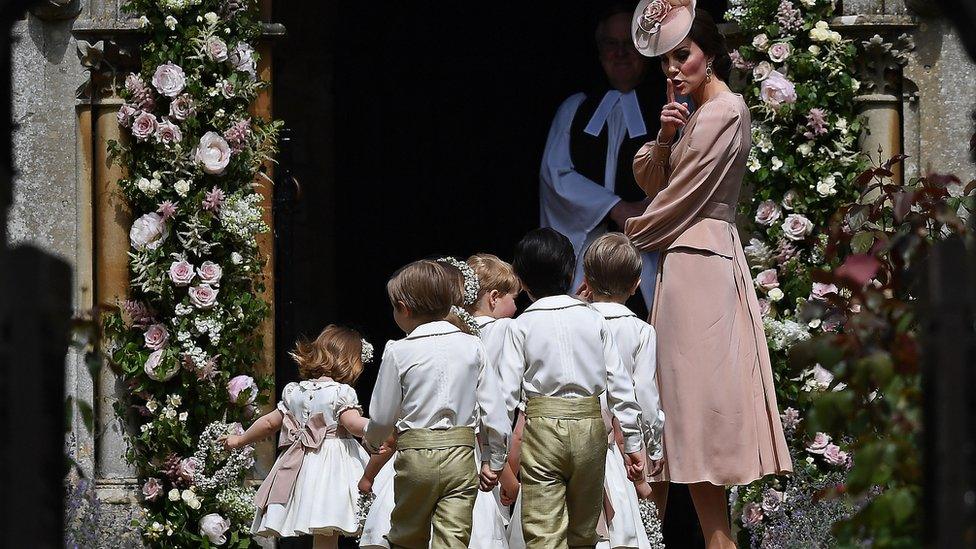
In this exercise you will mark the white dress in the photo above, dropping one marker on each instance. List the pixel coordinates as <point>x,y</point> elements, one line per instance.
<point>489,522</point>
<point>323,500</point>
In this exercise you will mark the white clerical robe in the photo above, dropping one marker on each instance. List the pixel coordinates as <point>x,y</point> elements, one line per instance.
<point>575,205</point>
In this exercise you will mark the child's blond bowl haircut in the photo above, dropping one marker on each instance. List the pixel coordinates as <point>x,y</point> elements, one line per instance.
<point>612,265</point>
<point>426,288</point>
<point>494,274</point>
<point>336,353</point>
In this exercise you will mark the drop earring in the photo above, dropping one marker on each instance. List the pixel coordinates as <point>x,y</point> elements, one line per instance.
<point>708,72</point>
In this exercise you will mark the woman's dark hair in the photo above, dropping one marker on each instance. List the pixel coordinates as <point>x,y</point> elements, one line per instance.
<point>705,33</point>
<point>545,262</point>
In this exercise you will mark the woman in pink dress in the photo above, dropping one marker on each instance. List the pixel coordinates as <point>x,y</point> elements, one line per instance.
<point>713,371</point>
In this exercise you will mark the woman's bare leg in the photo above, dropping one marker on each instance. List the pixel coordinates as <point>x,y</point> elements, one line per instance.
<point>711,504</point>
<point>325,542</point>
<point>659,495</point>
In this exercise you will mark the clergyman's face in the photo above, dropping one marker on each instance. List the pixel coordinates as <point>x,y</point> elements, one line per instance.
<point>622,64</point>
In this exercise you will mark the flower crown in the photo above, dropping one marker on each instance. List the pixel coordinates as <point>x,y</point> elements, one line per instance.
<point>471,284</point>
<point>468,319</point>
<point>367,353</point>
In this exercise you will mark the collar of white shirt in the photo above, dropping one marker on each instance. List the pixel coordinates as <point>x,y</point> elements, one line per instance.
<point>554,302</point>
<point>632,113</point>
<point>484,320</point>
<point>436,328</point>
<point>612,310</point>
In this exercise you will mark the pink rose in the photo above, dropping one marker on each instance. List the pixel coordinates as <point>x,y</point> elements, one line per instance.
<point>143,126</point>
<point>213,153</point>
<point>779,52</point>
<point>764,307</point>
<point>227,89</point>
<point>182,107</point>
<point>819,444</point>
<point>797,227</point>
<point>157,370</point>
<point>654,13</point>
<point>169,79</point>
<point>181,273</point>
<point>242,59</point>
<point>156,337</point>
<point>203,296</point>
<point>833,455</point>
<point>210,273</point>
<point>767,213</point>
<point>217,49</point>
<point>188,468</point>
<point>766,280</point>
<point>126,112</point>
<point>776,90</point>
<point>168,132</point>
<point>751,514</point>
<point>152,489</point>
<point>148,232</point>
<point>789,200</point>
<point>820,291</point>
<point>242,389</point>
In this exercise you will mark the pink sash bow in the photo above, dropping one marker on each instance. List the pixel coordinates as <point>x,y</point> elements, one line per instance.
<point>277,487</point>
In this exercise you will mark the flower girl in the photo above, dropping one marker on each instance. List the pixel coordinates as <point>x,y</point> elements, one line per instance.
<point>312,487</point>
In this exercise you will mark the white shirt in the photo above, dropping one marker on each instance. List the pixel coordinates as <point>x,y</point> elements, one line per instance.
<point>560,347</point>
<point>437,378</point>
<point>575,205</point>
<point>637,343</point>
<point>493,335</point>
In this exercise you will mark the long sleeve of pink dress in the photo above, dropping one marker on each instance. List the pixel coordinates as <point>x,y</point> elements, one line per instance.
<point>714,371</point>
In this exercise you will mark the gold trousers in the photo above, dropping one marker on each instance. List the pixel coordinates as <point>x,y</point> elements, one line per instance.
<point>434,488</point>
<point>564,451</point>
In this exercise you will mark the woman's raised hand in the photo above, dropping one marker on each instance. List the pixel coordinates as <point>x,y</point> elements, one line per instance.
<point>674,115</point>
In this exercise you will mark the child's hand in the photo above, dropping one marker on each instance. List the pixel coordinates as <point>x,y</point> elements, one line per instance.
<point>635,471</point>
<point>655,467</point>
<point>510,489</point>
<point>231,442</point>
<point>365,485</point>
<point>643,489</point>
<point>488,478</point>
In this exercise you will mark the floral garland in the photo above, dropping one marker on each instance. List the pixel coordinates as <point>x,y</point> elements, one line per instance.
<point>471,284</point>
<point>186,342</point>
<point>366,354</point>
<point>652,523</point>
<point>802,169</point>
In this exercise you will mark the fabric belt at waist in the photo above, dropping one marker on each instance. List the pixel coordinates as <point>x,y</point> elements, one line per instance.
<point>718,210</point>
<point>564,408</point>
<point>431,439</point>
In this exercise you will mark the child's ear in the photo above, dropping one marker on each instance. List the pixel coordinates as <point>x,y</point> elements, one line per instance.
<point>493,297</point>
<point>636,287</point>
<point>403,309</point>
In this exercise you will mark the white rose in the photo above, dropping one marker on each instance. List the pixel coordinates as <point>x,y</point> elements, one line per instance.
<point>826,187</point>
<point>174,495</point>
<point>805,149</point>
<point>213,153</point>
<point>170,22</point>
<point>148,232</point>
<point>214,526</point>
<point>203,296</point>
<point>780,52</point>
<point>775,294</point>
<point>169,79</point>
<point>142,22</point>
<point>143,185</point>
<point>814,49</point>
<point>797,227</point>
<point>236,258</point>
<point>182,187</point>
<point>760,42</point>
<point>776,163</point>
<point>761,71</point>
<point>210,17</point>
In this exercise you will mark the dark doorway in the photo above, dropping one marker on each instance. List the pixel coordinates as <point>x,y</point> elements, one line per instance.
<point>417,129</point>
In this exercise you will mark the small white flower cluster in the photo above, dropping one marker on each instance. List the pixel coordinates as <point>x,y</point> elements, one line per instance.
<point>227,467</point>
<point>238,503</point>
<point>471,284</point>
<point>209,325</point>
<point>196,355</point>
<point>363,505</point>
<point>241,216</point>
<point>784,334</point>
<point>156,529</point>
<point>469,320</point>
<point>183,309</point>
<point>177,6</point>
<point>652,523</point>
<point>366,355</point>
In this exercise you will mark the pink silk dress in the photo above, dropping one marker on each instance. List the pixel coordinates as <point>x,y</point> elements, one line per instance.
<point>714,372</point>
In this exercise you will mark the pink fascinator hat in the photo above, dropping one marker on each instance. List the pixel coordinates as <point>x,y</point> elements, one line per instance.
<point>660,25</point>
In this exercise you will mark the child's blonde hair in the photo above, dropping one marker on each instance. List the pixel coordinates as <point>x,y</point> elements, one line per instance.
<point>427,288</point>
<point>336,353</point>
<point>493,274</point>
<point>612,265</point>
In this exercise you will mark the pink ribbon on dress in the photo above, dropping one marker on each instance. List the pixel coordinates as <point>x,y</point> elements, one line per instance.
<point>277,487</point>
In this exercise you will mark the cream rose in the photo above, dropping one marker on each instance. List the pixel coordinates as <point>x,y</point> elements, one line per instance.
<point>760,42</point>
<point>762,71</point>
<point>775,294</point>
<point>797,227</point>
<point>148,232</point>
<point>182,187</point>
<point>779,52</point>
<point>214,527</point>
<point>169,79</point>
<point>213,153</point>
